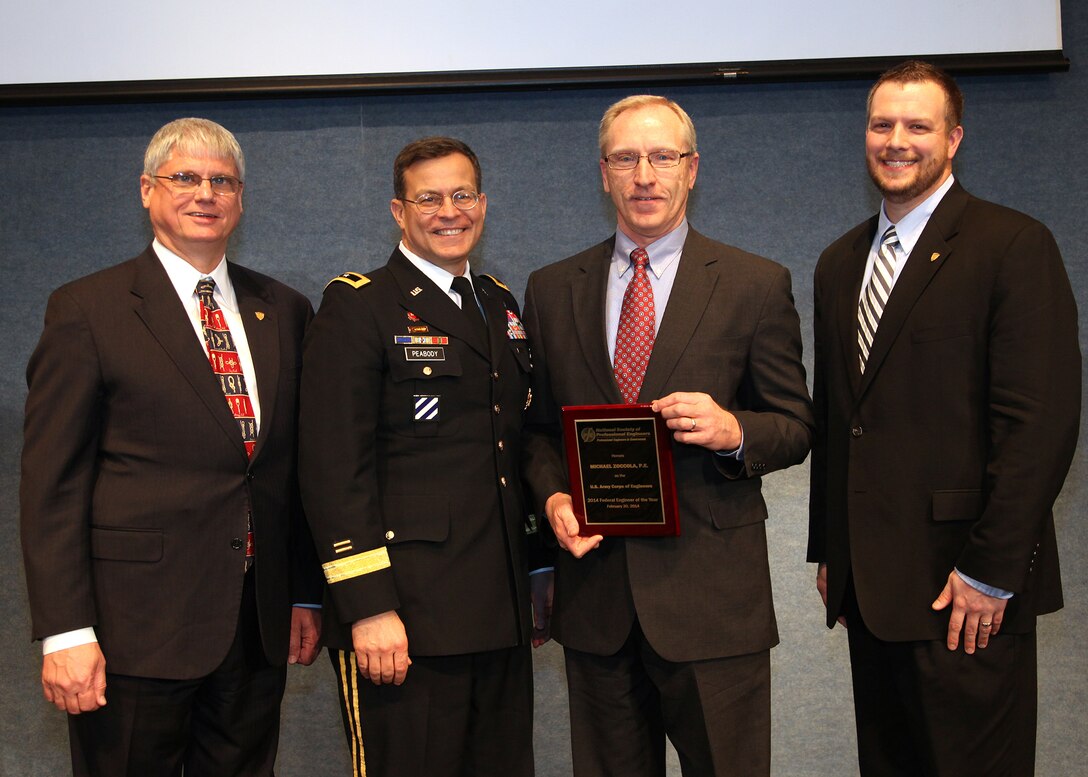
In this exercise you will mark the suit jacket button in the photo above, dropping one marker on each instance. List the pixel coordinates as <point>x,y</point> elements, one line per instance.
<point>857,431</point>
<point>502,446</point>
<point>497,408</point>
<point>237,543</point>
<point>390,534</point>
<point>503,481</point>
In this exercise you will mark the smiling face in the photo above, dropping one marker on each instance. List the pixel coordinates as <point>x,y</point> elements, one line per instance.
<point>447,237</point>
<point>908,144</point>
<point>194,225</point>
<point>649,202</point>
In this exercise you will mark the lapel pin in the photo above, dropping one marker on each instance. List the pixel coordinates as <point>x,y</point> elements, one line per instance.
<point>259,315</point>
<point>416,291</point>
<point>934,256</point>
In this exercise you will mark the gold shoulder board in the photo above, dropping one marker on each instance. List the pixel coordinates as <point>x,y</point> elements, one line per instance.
<point>496,281</point>
<point>354,279</point>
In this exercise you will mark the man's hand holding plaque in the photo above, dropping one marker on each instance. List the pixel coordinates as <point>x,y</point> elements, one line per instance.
<point>696,419</point>
<point>564,522</point>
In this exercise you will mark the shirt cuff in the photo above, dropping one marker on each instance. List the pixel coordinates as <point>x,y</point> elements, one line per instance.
<point>737,454</point>
<point>68,639</point>
<point>989,590</point>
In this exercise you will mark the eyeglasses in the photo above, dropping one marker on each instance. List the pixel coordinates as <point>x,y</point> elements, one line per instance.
<point>628,160</point>
<point>188,182</point>
<point>432,203</point>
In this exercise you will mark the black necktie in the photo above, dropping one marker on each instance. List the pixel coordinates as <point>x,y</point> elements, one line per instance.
<point>469,306</point>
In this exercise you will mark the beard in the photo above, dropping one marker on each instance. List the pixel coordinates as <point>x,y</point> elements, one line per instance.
<point>927,174</point>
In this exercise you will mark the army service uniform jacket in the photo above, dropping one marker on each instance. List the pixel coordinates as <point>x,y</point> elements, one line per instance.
<point>409,446</point>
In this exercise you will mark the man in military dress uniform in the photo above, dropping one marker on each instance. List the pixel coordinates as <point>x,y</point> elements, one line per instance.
<point>415,380</point>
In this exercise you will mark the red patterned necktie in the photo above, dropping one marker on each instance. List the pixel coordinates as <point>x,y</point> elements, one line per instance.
<point>223,356</point>
<point>635,334</point>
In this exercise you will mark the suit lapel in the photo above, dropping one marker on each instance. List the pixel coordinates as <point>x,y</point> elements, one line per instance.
<point>156,303</point>
<point>691,292</point>
<point>588,288</point>
<point>262,333</point>
<point>930,254</point>
<point>431,304</point>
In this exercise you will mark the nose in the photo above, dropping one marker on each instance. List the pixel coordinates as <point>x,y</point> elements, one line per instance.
<point>204,190</point>
<point>644,171</point>
<point>446,209</point>
<point>897,138</point>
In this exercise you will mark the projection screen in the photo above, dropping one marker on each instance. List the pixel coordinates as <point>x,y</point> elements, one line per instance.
<point>136,47</point>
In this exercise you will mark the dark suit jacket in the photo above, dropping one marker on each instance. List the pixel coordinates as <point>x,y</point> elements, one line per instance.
<point>730,329</point>
<point>135,481</point>
<point>440,495</point>
<point>952,448</point>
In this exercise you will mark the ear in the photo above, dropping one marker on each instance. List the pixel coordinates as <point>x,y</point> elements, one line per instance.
<point>954,139</point>
<point>396,207</point>
<point>604,175</point>
<point>146,182</point>
<point>693,164</point>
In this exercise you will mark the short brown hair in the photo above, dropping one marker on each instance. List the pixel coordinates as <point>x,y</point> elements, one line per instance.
<point>431,148</point>
<point>915,71</point>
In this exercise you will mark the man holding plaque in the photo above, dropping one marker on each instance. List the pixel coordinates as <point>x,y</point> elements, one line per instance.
<point>414,383</point>
<point>668,635</point>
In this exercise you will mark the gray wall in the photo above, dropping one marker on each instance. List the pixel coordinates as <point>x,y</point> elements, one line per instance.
<point>781,174</point>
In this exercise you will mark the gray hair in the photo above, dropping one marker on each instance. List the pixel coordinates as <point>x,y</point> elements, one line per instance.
<point>641,101</point>
<point>193,137</point>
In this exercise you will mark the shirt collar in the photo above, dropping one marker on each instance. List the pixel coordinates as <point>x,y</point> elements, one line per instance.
<point>662,252</point>
<point>183,276</point>
<point>910,227</point>
<point>442,278</point>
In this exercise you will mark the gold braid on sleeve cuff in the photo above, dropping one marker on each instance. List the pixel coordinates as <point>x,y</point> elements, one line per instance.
<point>355,566</point>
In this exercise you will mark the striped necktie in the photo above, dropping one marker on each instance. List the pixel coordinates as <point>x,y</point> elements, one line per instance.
<point>871,305</point>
